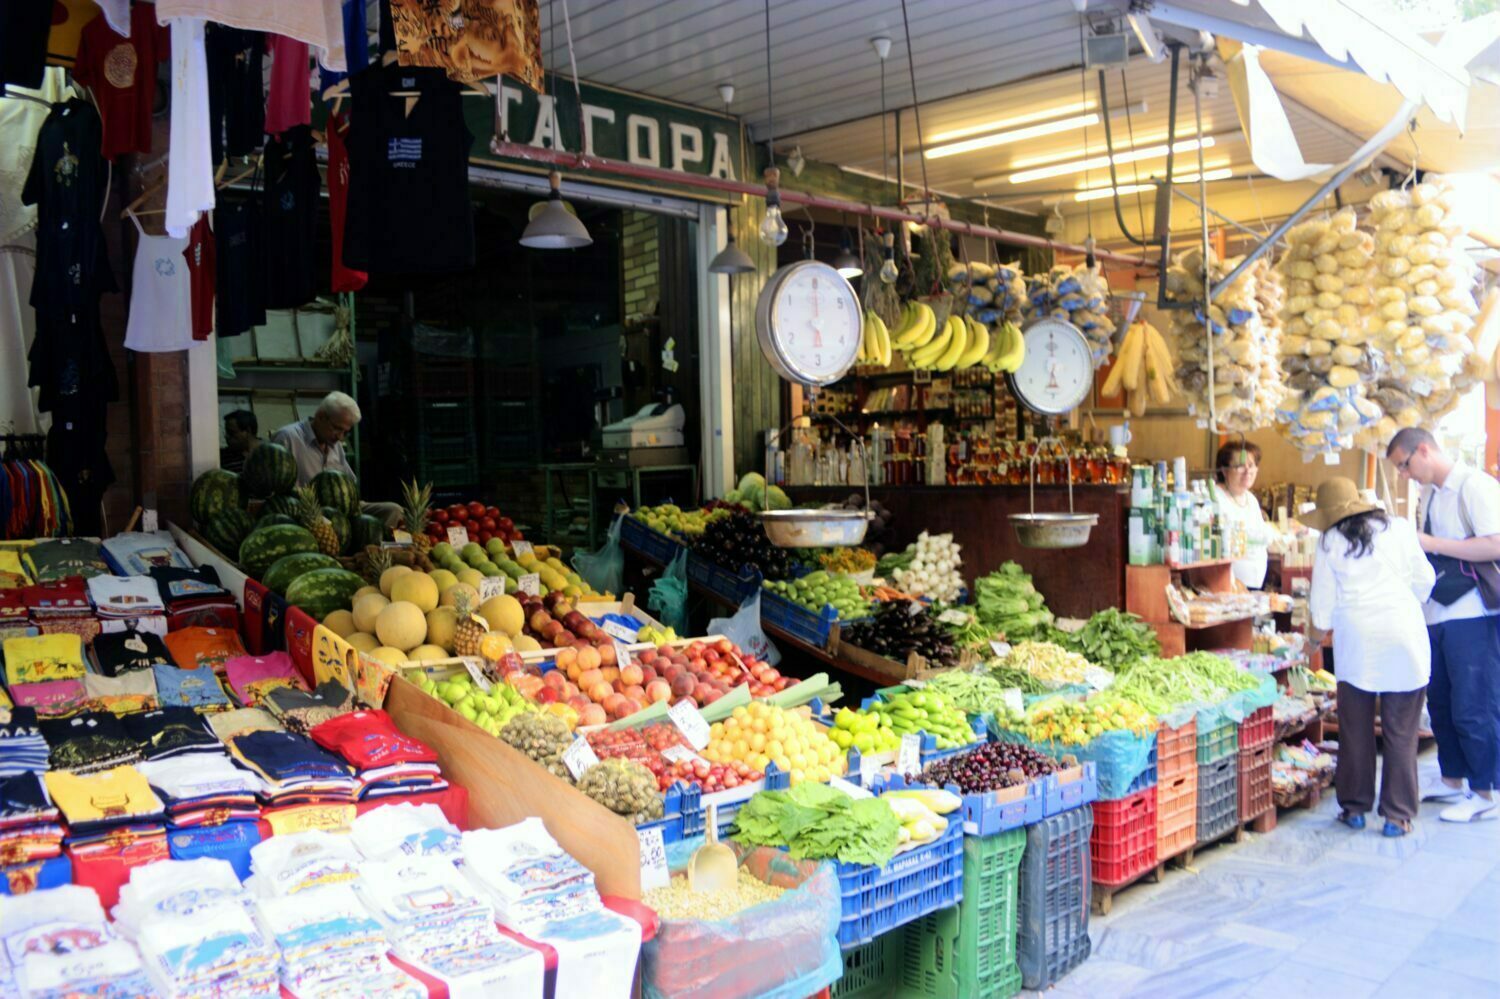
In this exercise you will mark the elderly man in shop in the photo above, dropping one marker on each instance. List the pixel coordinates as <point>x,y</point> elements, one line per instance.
<point>317,445</point>
<point>1458,520</point>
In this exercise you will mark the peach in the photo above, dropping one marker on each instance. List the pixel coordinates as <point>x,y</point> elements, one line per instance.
<point>647,675</point>
<point>592,715</point>
<point>565,640</point>
<point>607,654</point>
<point>632,675</point>
<point>587,657</point>
<point>611,673</point>
<point>701,692</point>
<point>570,690</point>
<point>554,679</point>
<point>590,678</point>
<point>602,692</point>
<point>646,656</point>
<point>566,658</point>
<point>658,691</point>
<point>578,702</point>
<point>683,685</point>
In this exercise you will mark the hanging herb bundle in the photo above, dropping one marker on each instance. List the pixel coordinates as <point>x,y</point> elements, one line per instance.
<point>879,297</point>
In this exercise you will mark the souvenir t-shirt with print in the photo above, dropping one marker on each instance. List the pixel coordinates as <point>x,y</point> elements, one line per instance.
<point>122,651</point>
<point>122,74</point>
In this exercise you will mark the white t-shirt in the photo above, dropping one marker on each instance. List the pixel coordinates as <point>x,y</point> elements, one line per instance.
<point>1441,518</point>
<point>1250,570</point>
<point>190,183</point>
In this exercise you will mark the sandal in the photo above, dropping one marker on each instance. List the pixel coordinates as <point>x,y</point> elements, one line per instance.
<point>1394,829</point>
<point>1354,820</point>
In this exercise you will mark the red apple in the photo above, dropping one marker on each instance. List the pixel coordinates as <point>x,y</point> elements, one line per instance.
<point>547,695</point>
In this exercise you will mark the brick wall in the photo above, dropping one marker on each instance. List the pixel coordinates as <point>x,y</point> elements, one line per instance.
<point>640,277</point>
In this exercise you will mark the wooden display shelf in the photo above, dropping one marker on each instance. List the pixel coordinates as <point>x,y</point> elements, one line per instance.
<point>1146,596</point>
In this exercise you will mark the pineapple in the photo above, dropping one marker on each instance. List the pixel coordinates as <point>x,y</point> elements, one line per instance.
<point>373,563</point>
<point>469,636</point>
<point>414,503</point>
<point>312,518</point>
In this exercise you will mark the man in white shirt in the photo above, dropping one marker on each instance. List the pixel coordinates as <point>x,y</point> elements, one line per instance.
<point>317,445</point>
<point>1458,519</point>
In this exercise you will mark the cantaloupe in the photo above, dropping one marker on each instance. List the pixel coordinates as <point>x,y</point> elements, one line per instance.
<point>504,613</point>
<point>366,609</point>
<point>341,623</point>
<point>451,594</point>
<point>389,577</point>
<point>388,655</point>
<point>401,625</point>
<point>363,641</point>
<point>525,643</point>
<point>366,589</point>
<point>415,588</point>
<point>442,624</point>
<point>427,653</point>
<point>443,578</point>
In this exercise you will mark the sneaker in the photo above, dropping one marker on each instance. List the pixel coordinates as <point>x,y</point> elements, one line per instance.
<point>1438,791</point>
<point>1471,809</point>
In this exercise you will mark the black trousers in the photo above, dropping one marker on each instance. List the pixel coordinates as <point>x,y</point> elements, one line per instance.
<point>1400,721</point>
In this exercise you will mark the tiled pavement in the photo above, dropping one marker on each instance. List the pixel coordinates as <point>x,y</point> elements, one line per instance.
<point>1311,909</point>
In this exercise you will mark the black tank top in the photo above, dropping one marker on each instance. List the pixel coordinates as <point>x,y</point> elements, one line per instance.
<point>290,219</point>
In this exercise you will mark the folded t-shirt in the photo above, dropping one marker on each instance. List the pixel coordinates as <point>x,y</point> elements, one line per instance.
<point>171,731</point>
<point>43,657</point>
<point>122,651</point>
<point>210,647</point>
<point>252,677</point>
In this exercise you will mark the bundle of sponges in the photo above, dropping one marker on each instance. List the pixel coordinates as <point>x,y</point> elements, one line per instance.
<point>1326,359</point>
<point>1079,294</point>
<point>1422,310</point>
<point>993,292</point>
<point>1246,381</point>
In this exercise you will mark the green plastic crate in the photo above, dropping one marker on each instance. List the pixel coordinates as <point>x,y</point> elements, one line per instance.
<point>969,951</point>
<point>1218,742</point>
<point>871,970</point>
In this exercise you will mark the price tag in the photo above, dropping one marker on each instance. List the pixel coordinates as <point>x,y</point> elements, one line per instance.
<point>579,757</point>
<point>1013,700</point>
<point>530,583</point>
<point>622,654</point>
<point>1332,457</point>
<point>519,548</point>
<point>149,521</point>
<point>690,723</point>
<point>999,647</point>
<point>618,631</point>
<point>654,872</point>
<point>458,535</point>
<point>909,758</point>
<point>475,668</point>
<point>868,768</point>
<point>680,754</point>
<point>402,537</point>
<point>491,586</point>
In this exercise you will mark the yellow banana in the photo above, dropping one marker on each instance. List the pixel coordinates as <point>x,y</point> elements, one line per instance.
<point>922,333</point>
<point>979,344</point>
<point>882,342</point>
<point>999,343</point>
<point>926,356</point>
<point>907,321</point>
<point>1015,353</point>
<point>1116,378</point>
<point>956,346</point>
<point>1132,354</point>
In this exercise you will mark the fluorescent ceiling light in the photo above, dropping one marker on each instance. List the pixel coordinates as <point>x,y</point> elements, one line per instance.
<point>1029,132</point>
<point>1099,162</point>
<point>1020,119</point>
<point>1094,194</point>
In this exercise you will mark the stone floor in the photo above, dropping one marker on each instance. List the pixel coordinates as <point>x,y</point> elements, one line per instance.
<point>1311,909</point>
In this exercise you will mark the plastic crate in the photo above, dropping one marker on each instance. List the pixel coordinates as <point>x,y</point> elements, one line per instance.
<point>730,585</point>
<point>1146,778</point>
<point>1176,750</point>
<point>651,544</point>
<point>1123,843</point>
<point>1218,798</point>
<point>989,813</point>
<point>446,379</point>
<point>1072,788</point>
<point>871,971</point>
<point>1052,934</point>
<point>444,416</point>
<point>689,803</point>
<point>879,899</point>
<point>1218,742</point>
<point>809,627</point>
<point>1177,814</point>
<point>434,449</point>
<point>969,951</point>
<point>1258,729</point>
<point>1255,793</point>
<point>448,474</point>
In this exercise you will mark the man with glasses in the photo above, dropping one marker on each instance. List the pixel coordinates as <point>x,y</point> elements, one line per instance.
<point>1458,520</point>
<point>317,445</point>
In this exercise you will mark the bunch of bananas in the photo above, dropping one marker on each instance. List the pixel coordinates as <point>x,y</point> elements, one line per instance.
<point>874,341</point>
<point>962,342</point>
<point>1143,367</point>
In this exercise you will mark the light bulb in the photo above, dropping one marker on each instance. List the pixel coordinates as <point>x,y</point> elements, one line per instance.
<point>888,271</point>
<point>773,230</point>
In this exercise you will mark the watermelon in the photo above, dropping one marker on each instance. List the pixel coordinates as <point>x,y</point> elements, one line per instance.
<point>270,470</point>
<point>267,544</point>
<point>365,530</point>
<point>213,492</point>
<point>272,519</point>
<point>323,591</point>
<point>338,490</point>
<point>289,506</point>
<point>340,522</point>
<point>287,568</point>
<point>227,529</point>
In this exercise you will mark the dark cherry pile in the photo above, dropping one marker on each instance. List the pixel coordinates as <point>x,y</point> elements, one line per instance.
<point>739,540</point>
<point>989,768</point>
<point>899,628</point>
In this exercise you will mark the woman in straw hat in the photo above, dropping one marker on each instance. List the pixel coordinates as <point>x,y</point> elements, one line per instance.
<point>1369,580</point>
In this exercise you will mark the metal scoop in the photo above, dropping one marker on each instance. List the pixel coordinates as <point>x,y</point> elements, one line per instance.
<point>713,866</point>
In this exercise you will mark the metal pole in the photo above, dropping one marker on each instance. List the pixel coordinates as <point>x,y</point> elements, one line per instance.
<point>1163,220</point>
<point>1109,154</point>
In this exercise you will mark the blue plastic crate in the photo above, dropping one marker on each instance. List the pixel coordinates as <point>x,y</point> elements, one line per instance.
<point>1072,788</point>
<point>694,812</point>
<point>808,627</point>
<point>656,547</point>
<point>729,585</point>
<point>990,812</point>
<point>879,899</point>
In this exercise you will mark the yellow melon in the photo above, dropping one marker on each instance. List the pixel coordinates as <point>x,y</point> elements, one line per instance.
<point>363,641</point>
<point>415,588</point>
<point>341,623</point>
<point>365,589</point>
<point>442,624</point>
<point>389,577</point>
<point>504,613</point>
<point>366,609</point>
<point>402,625</point>
<point>525,643</point>
<point>443,578</point>
<point>452,593</point>
<point>388,655</point>
<point>427,653</point>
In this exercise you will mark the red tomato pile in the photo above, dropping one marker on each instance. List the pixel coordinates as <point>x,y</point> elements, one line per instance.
<point>482,522</point>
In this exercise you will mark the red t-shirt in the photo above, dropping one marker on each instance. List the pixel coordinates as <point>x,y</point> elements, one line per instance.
<point>122,73</point>
<point>289,102</point>
<point>344,278</point>
<point>201,275</point>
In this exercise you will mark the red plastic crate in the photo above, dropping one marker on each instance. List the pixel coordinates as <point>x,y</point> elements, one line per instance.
<point>1176,750</point>
<point>1258,729</point>
<point>1177,814</point>
<point>1256,797</point>
<point>1123,843</point>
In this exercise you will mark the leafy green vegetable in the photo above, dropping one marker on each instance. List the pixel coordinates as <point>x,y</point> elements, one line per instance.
<point>1007,602</point>
<point>1113,639</point>
<point>817,822</point>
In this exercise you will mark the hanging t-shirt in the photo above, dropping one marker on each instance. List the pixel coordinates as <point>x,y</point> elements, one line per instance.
<point>409,210</point>
<point>161,303</point>
<point>344,278</point>
<point>241,287</point>
<point>23,42</point>
<point>290,201</point>
<point>122,73</point>
<point>356,46</point>
<point>289,102</point>
<point>199,257</point>
<point>190,185</point>
<point>236,90</point>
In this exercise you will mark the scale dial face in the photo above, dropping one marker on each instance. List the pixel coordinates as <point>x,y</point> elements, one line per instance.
<point>809,323</point>
<point>1058,371</point>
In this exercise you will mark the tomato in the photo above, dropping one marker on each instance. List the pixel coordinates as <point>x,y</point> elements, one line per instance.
<point>476,509</point>
<point>492,512</point>
<point>506,524</point>
<point>441,516</point>
<point>488,524</point>
<point>461,515</point>
<point>484,537</point>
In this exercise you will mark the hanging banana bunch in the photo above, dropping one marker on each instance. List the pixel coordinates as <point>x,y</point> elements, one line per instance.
<point>1144,369</point>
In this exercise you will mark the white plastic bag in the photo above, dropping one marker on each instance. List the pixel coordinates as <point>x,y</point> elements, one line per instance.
<point>743,629</point>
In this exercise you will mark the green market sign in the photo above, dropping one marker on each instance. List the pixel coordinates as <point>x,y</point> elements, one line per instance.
<point>614,125</point>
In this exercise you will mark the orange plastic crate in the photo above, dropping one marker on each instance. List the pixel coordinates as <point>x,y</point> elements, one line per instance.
<point>1176,750</point>
<point>1176,814</point>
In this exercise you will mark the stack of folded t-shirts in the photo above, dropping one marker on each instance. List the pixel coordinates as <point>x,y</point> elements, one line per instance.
<point>123,694</point>
<point>197,688</point>
<point>54,559</point>
<point>126,598</point>
<point>301,711</point>
<point>200,647</point>
<point>405,830</point>
<point>530,879</point>
<point>170,732</point>
<point>115,653</point>
<point>30,829</point>
<point>57,942</point>
<point>294,770</point>
<point>386,760</point>
<point>23,748</point>
<point>14,614</point>
<point>45,672</point>
<point>136,553</point>
<point>113,804</point>
<point>90,742</point>
<point>331,946</point>
<point>187,590</point>
<point>62,608</point>
<point>204,790</point>
<point>238,721</point>
<point>251,678</point>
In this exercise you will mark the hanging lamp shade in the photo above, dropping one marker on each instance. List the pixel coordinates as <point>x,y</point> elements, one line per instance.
<point>554,227</point>
<point>846,263</point>
<point>731,260</point>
